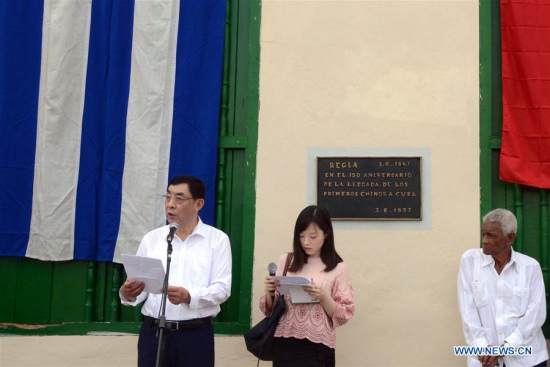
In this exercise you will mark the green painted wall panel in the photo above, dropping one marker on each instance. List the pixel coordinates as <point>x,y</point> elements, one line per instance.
<point>531,222</point>
<point>98,306</point>
<point>8,282</point>
<point>68,291</point>
<point>33,294</point>
<point>107,293</point>
<point>235,231</point>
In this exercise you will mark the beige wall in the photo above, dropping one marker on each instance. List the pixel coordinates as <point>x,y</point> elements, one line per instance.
<point>376,74</point>
<point>354,75</point>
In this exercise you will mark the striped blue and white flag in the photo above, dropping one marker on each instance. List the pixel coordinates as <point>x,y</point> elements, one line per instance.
<point>101,102</point>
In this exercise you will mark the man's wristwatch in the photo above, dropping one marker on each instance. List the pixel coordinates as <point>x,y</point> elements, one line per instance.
<point>506,344</point>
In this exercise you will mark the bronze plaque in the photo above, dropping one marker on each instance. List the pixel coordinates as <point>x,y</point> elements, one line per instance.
<point>370,188</point>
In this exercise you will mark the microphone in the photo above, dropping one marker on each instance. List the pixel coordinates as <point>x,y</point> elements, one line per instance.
<point>173,229</point>
<point>272,269</point>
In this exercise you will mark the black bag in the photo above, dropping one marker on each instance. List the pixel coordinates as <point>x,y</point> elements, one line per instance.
<point>260,339</point>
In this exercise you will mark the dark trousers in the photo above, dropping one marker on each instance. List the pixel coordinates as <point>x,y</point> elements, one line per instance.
<point>292,352</point>
<point>182,348</point>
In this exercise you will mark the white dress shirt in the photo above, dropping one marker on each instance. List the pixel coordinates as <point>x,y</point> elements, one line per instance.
<point>201,264</point>
<point>510,306</point>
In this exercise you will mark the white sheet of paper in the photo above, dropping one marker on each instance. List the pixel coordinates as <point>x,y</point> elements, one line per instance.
<point>146,269</point>
<point>293,286</point>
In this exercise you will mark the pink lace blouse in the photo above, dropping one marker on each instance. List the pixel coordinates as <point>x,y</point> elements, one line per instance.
<point>310,321</point>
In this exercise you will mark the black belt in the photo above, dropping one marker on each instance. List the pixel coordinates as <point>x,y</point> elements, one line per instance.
<point>180,325</point>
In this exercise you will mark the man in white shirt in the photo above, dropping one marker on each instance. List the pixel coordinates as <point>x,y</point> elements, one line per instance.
<point>199,281</point>
<point>501,297</point>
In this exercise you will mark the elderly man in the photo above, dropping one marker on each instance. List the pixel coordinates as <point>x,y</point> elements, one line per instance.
<point>501,297</point>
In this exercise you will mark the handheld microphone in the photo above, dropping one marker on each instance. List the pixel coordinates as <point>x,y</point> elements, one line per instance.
<point>173,229</point>
<point>272,269</point>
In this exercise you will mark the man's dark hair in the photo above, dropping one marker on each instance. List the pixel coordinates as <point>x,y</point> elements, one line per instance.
<point>196,186</point>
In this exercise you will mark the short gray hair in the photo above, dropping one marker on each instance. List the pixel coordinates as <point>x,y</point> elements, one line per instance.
<point>505,218</point>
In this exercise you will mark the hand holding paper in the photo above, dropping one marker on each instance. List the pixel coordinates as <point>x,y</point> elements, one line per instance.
<point>131,289</point>
<point>145,269</point>
<point>315,292</point>
<point>295,287</point>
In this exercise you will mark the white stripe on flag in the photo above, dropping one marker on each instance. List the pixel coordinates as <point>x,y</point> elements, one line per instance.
<point>149,121</point>
<point>65,42</point>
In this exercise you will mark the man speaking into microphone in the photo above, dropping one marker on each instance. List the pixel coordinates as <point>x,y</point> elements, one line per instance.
<point>199,281</point>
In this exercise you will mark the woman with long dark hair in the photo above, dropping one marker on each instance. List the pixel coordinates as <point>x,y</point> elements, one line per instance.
<point>305,335</point>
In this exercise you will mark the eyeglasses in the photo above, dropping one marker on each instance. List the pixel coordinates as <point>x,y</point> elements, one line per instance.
<point>180,199</point>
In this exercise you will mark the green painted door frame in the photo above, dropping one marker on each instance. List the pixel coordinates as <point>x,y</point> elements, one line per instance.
<point>530,205</point>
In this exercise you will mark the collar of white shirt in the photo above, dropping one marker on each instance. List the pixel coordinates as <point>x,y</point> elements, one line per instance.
<point>488,260</point>
<point>200,229</point>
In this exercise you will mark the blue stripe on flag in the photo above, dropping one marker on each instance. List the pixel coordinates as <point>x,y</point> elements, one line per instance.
<point>197,92</point>
<point>20,54</point>
<point>99,190</point>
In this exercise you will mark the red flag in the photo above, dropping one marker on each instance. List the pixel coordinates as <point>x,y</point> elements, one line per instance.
<point>525,153</point>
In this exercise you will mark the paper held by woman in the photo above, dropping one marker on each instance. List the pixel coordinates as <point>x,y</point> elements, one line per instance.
<point>293,286</point>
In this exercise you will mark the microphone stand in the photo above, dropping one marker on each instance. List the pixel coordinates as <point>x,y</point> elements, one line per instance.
<point>162,317</point>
